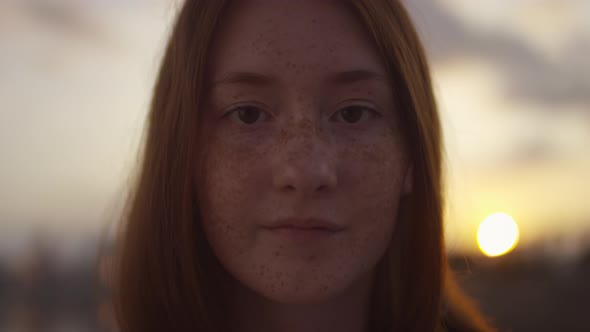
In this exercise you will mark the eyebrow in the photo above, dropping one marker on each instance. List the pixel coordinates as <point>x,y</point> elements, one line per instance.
<point>340,78</point>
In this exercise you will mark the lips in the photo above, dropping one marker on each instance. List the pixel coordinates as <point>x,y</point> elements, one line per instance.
<point>305,224</point>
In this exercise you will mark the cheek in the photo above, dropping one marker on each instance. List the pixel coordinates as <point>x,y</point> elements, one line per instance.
<point>225,172</point>
<point>376,169</point>
<point>375,174</point>
<point>223,196</point>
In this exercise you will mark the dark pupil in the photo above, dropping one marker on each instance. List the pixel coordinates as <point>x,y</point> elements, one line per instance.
<point>248,115</point>
<point>352,114</point>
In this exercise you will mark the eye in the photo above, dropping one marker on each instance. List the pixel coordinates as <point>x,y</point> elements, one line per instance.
<point>352,114</point>
<point>246,114</point>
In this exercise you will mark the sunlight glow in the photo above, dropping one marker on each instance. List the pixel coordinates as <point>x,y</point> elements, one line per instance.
<point>497,234</point>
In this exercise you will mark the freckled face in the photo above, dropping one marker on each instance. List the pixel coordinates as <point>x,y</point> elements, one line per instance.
<point>297,139</point>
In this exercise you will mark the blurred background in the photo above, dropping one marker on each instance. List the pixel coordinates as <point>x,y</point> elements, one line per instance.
<point>513,84</point>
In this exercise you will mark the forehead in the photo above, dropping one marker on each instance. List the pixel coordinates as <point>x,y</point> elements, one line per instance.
<point>292,39</point>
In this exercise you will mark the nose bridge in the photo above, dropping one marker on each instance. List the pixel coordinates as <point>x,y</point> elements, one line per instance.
<point>302,136</point>
<point>304,162</point>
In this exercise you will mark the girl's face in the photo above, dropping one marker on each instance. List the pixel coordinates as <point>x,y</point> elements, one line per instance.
<point>301,124</point>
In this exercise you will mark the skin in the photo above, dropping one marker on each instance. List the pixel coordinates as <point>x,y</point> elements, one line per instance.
<point>314,149</point>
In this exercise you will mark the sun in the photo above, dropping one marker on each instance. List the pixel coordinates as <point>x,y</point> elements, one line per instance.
<point>497,234</point>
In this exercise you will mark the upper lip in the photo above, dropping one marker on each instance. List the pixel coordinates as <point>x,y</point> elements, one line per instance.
<point>305,223</point>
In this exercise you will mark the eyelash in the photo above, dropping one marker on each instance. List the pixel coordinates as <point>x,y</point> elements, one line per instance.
<point>373,112</point>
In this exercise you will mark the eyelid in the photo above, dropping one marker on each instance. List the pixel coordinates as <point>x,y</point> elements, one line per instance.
<point>236,107</point>
<point>232,110</point>
<point>365,102</point>
<point>359,103</point>
<point>372,110</point>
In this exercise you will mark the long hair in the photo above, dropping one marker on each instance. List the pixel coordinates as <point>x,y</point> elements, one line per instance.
<point>167,278</point>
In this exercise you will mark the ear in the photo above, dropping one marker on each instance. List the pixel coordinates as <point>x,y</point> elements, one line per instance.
<point>408,180</point>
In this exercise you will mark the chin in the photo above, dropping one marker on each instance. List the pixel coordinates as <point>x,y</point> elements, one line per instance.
<point>289,296</point>
<point>314,288</point>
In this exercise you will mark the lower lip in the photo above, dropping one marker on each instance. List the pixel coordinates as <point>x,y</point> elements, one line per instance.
<point>302,234</point>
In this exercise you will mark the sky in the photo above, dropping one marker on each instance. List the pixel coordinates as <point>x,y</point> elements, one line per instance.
<point>512,80</point>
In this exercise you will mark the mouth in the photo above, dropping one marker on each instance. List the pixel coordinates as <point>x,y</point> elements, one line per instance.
<point>302,234</point>
<point>306,224</point>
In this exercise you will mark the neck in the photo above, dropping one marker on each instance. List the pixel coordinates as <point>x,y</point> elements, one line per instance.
<point>346,312</point>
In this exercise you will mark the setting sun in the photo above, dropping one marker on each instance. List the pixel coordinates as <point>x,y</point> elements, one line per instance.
<point>497,234</point>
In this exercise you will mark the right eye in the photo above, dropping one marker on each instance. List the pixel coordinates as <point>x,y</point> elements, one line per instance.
<point>247,114</point>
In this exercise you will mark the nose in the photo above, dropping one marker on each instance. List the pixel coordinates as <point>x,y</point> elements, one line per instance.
<point>304,162</point>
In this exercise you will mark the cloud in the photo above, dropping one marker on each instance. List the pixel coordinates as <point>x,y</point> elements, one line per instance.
<point>529,75</point>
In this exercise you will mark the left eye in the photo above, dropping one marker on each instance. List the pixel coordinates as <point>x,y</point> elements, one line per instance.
<point>247,114</point>
<point>352,114</point>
